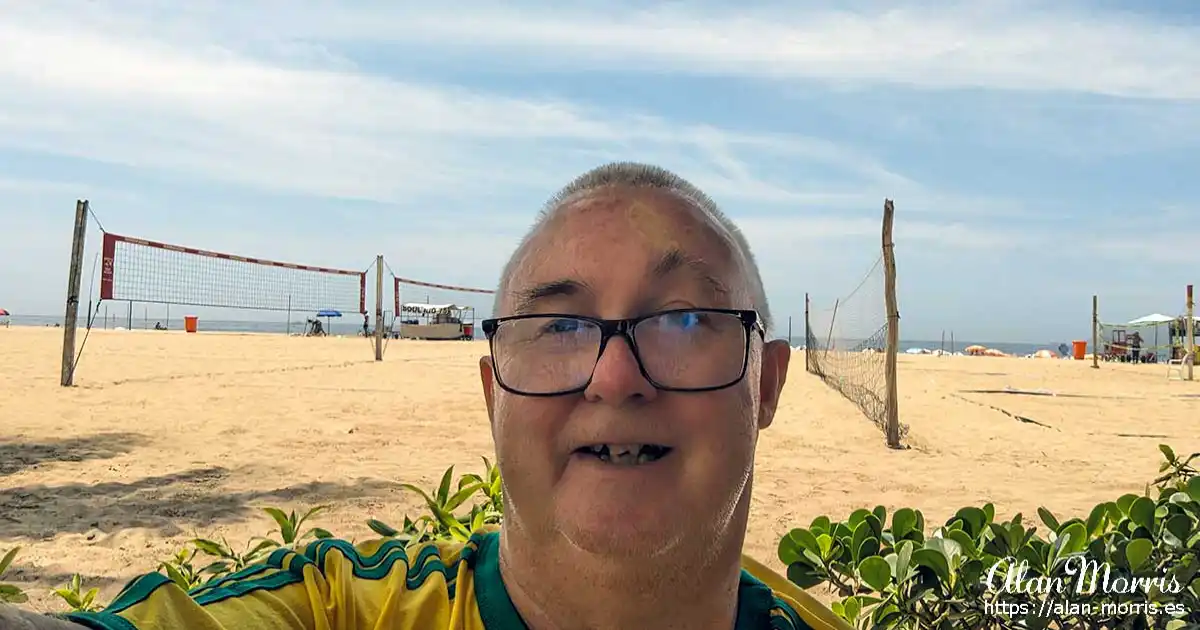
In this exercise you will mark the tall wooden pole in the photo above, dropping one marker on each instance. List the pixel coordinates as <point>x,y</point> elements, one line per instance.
<point>892,401</point>
<point>807,349</point>
<point>379,307</point>
<point>1096,332</point>
<point>1190,327</point>
<point>75,275</point>
<point>829,335</point>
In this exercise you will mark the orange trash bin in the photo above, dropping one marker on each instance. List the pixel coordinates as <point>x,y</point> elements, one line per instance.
<point>190,323</point>
<point>1078,349</point>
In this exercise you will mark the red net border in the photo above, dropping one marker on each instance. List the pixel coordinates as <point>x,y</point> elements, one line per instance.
<point>109,255</point>
<point>397,281</point>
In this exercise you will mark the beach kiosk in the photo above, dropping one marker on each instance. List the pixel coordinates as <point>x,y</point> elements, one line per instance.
<point>1177,333</point>
<point>436,322</point>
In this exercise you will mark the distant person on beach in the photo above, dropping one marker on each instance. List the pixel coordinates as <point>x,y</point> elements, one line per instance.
<point>625,402</point>
<point>1135,345</point>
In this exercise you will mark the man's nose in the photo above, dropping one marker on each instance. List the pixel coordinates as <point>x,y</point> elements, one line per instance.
<point>617,377</point>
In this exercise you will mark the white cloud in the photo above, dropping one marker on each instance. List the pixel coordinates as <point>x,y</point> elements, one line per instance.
<point>116,86</point>
<point>1007,45</point>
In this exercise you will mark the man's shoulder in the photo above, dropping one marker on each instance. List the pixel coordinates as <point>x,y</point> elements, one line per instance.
<point>792,604</point>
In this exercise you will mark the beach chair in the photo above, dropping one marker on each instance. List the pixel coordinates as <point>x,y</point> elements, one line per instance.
<point>1175,366</point>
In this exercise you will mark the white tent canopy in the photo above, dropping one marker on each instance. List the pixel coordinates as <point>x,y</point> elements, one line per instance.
<point>1152,319</point>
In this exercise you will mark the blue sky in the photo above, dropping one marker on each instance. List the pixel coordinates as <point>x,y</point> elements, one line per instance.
<point>1037,153</point>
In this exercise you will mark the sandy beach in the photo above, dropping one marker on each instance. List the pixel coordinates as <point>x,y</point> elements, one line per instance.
<point>170,435</point>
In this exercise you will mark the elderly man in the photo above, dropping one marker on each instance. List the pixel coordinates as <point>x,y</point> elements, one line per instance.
<point>628,379</point>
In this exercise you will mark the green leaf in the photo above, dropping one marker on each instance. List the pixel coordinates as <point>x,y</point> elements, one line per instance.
<point>903,561</point>
<point>861,534</point>
<point>1097,520</point>
<point>286,527</point>
<point>880,513</point>
<point>1180,498</point>
<point>1078,538</point>
<point>7,560</point>
<point>974,518</point>
<point>875,524</point>
<point>824,545</point>
<point>461,496</point>
<point>851,607</point>
<point>820,525</point>
<point>1137,551</point>
<point>936,561</point>
<point>443,491</point>
<point>876,572</point>
<point>804,576</point>
<point>210,547</point>
<point>1180,526</point>
<point>903,522</point>
<point>1193,488</point>
<point>1125,503</point>
<point>381,528</point>
<point>867,549</point>
<point>791,547</point>
<point>12,595</point>
<point>965,542</point>
<point>1167,452</point>
<point>1141,512</point>
<point>1048,519</point>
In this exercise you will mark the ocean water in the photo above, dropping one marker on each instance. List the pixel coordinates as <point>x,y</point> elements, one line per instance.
<point>352,325</point>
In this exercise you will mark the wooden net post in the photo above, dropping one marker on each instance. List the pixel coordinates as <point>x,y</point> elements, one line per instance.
<point>1190,330</point>
<point>71,319</point>
<point>807,349</point>
<point>1095,332</point>
<point>379,307</point>
<point>892,401</point>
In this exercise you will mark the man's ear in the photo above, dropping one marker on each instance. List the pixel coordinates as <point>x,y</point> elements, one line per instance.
<point>487,378</point>
<point>777,355</point>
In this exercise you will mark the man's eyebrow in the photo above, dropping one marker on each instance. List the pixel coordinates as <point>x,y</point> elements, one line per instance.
<point>675,259</point>
<point>524,300</point>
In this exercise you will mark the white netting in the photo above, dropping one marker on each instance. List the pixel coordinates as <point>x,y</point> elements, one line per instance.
<point>435,311</point>
<point>845,345</point>
<point>138,270</point>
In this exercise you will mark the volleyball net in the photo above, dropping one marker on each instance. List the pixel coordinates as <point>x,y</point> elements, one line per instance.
<point>436,311</point>
<point>145,271</point>
<point>850,343</point>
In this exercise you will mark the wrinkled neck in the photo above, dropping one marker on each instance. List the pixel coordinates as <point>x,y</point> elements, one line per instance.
<point>558,586</point>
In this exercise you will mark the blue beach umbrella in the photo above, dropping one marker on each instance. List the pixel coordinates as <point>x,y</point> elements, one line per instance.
<point>328,313</point>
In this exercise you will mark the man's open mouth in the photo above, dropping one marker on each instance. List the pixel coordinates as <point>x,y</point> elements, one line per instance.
<point>625,454</point>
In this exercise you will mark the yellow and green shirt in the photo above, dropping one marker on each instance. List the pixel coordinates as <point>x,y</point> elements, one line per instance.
<point>333,585</point>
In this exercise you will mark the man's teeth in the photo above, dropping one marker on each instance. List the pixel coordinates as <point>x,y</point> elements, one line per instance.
<point>627,454</point>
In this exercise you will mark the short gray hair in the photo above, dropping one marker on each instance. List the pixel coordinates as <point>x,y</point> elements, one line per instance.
<point>636,175</point>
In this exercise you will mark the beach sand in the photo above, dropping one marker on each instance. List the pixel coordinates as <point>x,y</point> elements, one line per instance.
<point>170,435</point>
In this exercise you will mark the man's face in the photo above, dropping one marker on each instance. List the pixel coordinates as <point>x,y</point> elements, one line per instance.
<point>604,257</point>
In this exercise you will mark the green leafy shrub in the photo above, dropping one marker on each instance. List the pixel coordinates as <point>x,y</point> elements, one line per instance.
<point>1102,571</point>
<point>442,522</point>
<point>76,598</point>
<point>890,570</point>
<point>10,593</point>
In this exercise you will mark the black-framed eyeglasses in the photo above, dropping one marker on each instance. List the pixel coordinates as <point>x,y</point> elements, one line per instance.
<point>681,350</point>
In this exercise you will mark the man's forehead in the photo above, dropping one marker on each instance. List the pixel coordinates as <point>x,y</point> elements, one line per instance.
<point>673,233</point>
<point>659,219</point>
